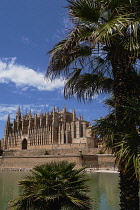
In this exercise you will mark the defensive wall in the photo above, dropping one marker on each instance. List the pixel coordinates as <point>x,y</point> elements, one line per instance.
<point>12,160</point>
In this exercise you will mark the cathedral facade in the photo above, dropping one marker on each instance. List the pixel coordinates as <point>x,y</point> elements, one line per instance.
<point>57,128</point>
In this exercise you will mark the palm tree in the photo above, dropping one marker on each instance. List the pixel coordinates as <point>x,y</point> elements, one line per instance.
<point>106,129</point>
<point>101,54</point>
<point>53,186</point>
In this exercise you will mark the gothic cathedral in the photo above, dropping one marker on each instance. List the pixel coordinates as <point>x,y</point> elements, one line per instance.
<point>59,128</point>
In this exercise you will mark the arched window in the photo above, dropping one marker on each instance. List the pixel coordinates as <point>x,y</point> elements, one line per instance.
<point>64,138</point>
<point>24,144</point>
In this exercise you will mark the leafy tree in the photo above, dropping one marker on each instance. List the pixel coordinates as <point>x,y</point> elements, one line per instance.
<point>106,129</point>
<point>53,186</point>
<point>101,53</point>
<point>127,151</point>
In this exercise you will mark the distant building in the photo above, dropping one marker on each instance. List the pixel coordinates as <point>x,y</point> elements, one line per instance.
<point>59,128</point>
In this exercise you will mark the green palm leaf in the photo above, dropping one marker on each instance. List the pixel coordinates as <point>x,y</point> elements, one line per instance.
<point>86,85</point>
<point>52,186</point>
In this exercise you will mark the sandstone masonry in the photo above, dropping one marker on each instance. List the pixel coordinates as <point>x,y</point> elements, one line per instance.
<point>60,129</point>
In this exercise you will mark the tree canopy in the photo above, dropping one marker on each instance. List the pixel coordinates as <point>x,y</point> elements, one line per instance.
<point>53,186</point>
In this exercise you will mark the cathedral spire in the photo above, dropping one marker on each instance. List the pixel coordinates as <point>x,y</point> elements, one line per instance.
<point>64,109</point>
<point>73,115</point>
<point>79,117</point>
<point>30,113</point>
<point>8,119</point>
<point>53,110</point>
<point>18,114</point>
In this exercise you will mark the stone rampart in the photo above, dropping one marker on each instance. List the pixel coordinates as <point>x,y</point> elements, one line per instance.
<point>51,151</point>
<point>106,161</point>
<point>89,161</point>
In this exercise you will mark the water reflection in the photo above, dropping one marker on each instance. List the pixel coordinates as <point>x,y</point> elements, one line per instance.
<point>9,189</point>
<point>103,189</point>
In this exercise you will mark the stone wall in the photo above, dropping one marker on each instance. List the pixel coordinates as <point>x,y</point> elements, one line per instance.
<point>30,162</point>
<point>106,161</point>
<point>52,151</point>
<point>89,161</point>
<point>56,146</point>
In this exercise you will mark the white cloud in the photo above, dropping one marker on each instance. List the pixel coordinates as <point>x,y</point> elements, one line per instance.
<point>11,109</point>
<point>3,117</point>
<point>25,39</point>
<point>6,109</point>
<point>25,77</point>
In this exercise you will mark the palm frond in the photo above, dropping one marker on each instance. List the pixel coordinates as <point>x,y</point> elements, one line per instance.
<point>63,58</point>
<point>53,184</point>
<point>84,10</point>
<point>128,150</point>
<point>106,129</point>
<point>126,145</point>
<point>106,32</point>
<point>85,86</point>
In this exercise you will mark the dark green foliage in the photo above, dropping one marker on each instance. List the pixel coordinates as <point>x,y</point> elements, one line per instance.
<point>122,144</point>
<point>53,186</point>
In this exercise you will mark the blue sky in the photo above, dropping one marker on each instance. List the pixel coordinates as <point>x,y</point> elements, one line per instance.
<point>28,30</point>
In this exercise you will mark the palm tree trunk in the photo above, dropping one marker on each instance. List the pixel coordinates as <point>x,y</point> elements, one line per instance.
<point>129,188</point>
<point>124,90</point>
